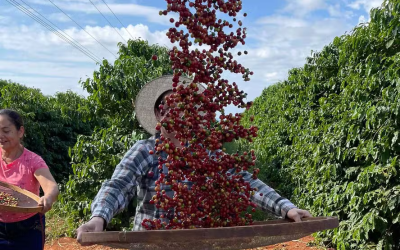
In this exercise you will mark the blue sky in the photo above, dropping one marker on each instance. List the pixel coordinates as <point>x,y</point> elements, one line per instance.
<point>281,34</point>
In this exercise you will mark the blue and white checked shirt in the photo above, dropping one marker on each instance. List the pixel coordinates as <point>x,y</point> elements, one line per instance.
<point>130,177</point>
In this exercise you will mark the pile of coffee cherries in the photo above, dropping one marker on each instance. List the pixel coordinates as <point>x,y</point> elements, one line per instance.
<point>209,190</point>
<point>8,200</point>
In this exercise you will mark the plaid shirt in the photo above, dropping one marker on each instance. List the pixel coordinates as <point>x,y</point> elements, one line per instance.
<point>130,177</point>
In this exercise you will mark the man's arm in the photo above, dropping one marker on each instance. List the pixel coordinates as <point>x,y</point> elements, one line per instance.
<point>266,197</point>
<point>116,193</point>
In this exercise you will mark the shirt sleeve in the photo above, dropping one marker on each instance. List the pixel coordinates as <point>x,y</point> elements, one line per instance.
<point>116,193</point>
<point>266,197</point>
<point>38,163</point>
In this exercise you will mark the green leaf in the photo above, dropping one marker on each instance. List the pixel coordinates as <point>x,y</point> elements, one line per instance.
<point>390,43</point>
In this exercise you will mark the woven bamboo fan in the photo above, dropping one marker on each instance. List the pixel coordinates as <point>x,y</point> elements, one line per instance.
<point>243,237</point>
<point>26,202</point>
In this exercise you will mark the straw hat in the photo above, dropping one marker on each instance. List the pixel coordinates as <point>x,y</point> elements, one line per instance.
<point>147,97</point>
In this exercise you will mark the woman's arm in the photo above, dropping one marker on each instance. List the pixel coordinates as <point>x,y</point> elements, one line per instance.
<point>49,186</point>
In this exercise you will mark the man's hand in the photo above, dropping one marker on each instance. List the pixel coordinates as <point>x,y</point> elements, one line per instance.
<point>46,203</point>
<point>96,224</point>
<point>297,214</point>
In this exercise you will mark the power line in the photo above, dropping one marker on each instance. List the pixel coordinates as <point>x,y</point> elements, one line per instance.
<point>47,26</point>
<point>70,38</point>
<point>44,24</point>
<point>117,18</point>
<point>108,21</point>
<point>55,31</point>
<point>82,28</point>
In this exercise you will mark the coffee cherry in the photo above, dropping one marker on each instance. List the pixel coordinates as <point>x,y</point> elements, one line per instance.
<point>215,198</point>
<point>7,199</point>
<point>150,174</point>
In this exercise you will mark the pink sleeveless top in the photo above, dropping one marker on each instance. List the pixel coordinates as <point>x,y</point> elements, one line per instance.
<point>21,172</point>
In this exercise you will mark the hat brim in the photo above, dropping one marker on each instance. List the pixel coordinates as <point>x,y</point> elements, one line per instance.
<point>147,97</point>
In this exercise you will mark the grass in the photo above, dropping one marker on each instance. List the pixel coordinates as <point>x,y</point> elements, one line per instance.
<point>59,224</point>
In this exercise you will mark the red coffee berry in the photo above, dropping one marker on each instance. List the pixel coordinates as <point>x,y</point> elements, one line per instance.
<point>215,198</point>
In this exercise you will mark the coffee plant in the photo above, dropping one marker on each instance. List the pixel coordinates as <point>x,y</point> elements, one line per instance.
<point>330,133</point>
<point>52,123</point>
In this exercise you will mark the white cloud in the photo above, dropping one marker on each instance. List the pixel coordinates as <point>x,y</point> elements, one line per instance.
<point>334,10</point>
<point>366,4</point>
<point>283,45</point>
<point>59,17</point>
<point>4,19</point>
<point>362,19</point>
<point>303,7</point>
<point>151,14</point>
<point>47,85</point>
<point>38,43</point>
<point>38,58</point>
<point>282,20</point>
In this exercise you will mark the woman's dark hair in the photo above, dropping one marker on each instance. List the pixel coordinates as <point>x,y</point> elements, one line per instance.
<point>14,117</point>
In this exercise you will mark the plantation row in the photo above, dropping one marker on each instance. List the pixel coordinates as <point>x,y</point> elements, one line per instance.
<point>328,136</point>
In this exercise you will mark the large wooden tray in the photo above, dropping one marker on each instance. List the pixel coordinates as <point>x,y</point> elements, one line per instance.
<point>27,201</point>
<point>243,237</point>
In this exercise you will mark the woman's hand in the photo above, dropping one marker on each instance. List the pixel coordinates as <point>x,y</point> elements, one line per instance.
<point>46,203</point>
<point>50,188</point>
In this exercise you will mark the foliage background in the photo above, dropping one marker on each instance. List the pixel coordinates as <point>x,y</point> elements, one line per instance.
<point>329,134</point>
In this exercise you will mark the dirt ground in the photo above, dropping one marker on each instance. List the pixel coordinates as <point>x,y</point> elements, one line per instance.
<point>71,244</point>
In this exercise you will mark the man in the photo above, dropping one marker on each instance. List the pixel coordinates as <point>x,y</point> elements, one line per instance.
<point>138,171</point>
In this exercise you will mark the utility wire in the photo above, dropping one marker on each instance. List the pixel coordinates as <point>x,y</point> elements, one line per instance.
<point>70,38</point>
<point>117,18</point>
<point>108,21</point>
<point>82,28</point>
<point>44,24</point>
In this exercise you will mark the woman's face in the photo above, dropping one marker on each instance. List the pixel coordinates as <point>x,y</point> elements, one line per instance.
<point>10,137</point>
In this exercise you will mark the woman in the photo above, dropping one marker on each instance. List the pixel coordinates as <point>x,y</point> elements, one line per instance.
<point>25,169</point>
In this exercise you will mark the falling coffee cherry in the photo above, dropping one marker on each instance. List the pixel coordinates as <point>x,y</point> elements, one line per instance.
<point>214,198</point>
<point>150,174</point>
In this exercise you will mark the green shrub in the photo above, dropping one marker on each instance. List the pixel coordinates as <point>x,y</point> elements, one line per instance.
<point>330,133</point>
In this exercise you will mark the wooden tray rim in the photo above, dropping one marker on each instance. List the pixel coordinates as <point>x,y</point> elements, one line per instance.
<point>18,208</point>
<point>261,229</point>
